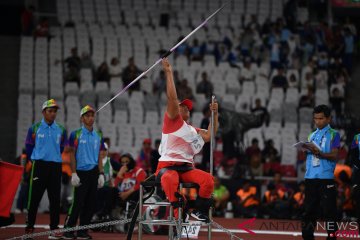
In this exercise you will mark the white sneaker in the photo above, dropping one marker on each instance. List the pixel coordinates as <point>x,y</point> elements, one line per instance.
<point>200,216</point>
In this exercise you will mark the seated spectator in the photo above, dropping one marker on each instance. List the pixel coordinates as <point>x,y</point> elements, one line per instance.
<point>42,29</point>
<point>271,168</point>
<point>205,86</point>
<point>102,74</point>
<point>292,44</point>
<point>275,204</point>
<point>256,166</point>
<point>297,202</point>
<point>246,73</point>
<point>247,201</point>
<point>73,64</point>
<point>253,149</point>
<point>220,53</point>
<point>115,68</point>
<point>184,91</point>
<point>307,100</point>
<point>270,153</point>
<point>127,181</point>
<point>321,79</point>
<point>280,81</point>
<point>129,73</point>
<point>86,61</point>
<point>221,197</point>
<point>247,40</point>
<point>275,55</point>
<point>72,75</point>
<point>307,48</point>
<point>159,85</point>
<point>143,160</point>
<point>294,62</point>
<point>341,77</point>
<point>336,100</point>
<point>232,57</point>
<point>226,169</point>
<point>293,81</point>
<point>183,49</point>
<point>309,68</point>
<point>261,111</point>
<point>280,185</point>
<point>254,23</point>
<point>308,81</point>
<point>323,61</point>
<point>197,51</point>
<point>74,60</point>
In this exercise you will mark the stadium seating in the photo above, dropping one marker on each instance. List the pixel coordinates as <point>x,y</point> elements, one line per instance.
<point>121,29</point>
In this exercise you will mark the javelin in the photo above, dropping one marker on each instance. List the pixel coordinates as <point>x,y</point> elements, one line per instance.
<point>164,56</point>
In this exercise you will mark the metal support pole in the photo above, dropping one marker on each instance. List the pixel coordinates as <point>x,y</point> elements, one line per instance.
<point>212,141</point>
<point>140,211</point>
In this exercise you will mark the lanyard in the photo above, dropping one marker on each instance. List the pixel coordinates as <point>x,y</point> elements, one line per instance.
<point>322,137</point>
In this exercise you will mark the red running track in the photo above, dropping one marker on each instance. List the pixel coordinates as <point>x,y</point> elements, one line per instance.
<point>263,228</point>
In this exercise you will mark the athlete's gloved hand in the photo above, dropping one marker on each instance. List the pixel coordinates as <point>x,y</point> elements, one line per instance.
<point>75,180</point>
<point>101,180</point>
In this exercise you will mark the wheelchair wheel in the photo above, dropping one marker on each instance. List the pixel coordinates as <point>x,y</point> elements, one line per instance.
<point>154,213</point>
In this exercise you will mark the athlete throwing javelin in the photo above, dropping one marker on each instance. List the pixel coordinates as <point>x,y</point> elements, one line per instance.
<point>179,143</point>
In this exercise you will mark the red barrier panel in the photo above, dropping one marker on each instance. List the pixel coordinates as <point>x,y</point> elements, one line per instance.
<point>10,177</point>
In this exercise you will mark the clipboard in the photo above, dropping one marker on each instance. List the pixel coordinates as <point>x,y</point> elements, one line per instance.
<point>306,146</point>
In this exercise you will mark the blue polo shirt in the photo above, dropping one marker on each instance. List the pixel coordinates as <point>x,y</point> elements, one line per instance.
<point>356,143</point>
<point>87,145</point>
<point>328,139</point>
<point>46,142</point>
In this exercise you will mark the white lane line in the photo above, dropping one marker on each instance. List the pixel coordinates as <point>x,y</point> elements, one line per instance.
<point>266,232</point>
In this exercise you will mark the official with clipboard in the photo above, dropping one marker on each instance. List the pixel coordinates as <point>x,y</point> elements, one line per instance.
<point>320,191</point>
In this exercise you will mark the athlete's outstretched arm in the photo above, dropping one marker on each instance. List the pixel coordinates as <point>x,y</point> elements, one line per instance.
<point>172,108</point>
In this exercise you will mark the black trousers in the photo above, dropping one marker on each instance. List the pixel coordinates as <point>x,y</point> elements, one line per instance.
<point>84,198</point>
<point>45,175</point>
<point>104,200</point>
<point>320,196</point>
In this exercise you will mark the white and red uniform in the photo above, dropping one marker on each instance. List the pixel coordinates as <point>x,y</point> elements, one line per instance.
<point>133,178</point>
<point>180,142</point>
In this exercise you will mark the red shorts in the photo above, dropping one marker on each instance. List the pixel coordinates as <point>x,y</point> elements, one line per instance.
<point>171,178</point>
